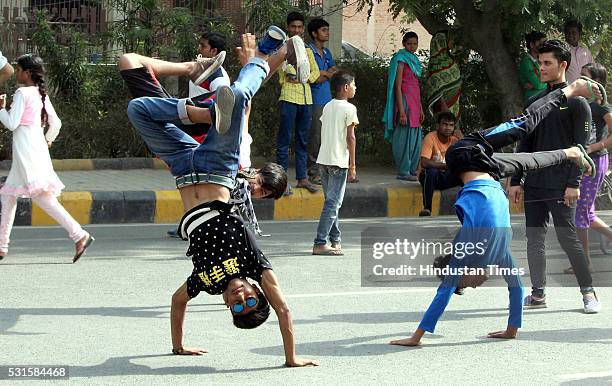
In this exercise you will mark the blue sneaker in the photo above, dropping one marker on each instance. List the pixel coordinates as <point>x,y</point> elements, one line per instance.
<point>272,41</point>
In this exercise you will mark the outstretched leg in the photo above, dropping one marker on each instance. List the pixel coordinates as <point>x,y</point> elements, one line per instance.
<point>518,128</point>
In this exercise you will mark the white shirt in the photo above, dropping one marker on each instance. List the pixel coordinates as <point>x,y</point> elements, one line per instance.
<point>337,115</point>
<point>3,61</point>
<point>580,57</point>
<point>217,79</point>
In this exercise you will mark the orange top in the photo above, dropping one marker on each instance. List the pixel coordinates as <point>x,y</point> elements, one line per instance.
<point>433,149</point>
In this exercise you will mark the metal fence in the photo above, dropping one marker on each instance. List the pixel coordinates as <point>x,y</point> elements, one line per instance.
<point>18,16</point>
<point>93,18</point>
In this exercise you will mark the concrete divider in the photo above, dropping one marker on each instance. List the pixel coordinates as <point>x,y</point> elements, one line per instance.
<point>165,206</point>
<point>100,164</point>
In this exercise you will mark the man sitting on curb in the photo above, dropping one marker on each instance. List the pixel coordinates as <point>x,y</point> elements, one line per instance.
<point>224,252</point>
<point>434,172</point>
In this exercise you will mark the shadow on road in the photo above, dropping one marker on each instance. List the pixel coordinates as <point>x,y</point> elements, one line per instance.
<point>10,316</point>
<point>414,317</point>
<point>123,366</point>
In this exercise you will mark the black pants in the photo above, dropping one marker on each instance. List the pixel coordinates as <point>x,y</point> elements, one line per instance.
<point>475,152</point>
<point>536,219</point>
<point>433,179</point>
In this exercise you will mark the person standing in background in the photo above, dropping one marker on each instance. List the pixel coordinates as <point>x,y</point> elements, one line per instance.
<point>404,113</point>
<point>529,68</point>
<point>318,29</point>
<point>581,55</point>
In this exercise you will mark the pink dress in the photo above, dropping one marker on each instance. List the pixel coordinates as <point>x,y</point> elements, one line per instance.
<point>412,95</point>
<point>31,171</point>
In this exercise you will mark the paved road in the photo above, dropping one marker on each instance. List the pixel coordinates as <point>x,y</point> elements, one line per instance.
<point>107,317</point>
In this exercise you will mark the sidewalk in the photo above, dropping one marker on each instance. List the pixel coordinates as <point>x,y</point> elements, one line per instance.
<point>148,195</point>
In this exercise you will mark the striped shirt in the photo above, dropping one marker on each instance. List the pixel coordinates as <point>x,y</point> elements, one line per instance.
<point>297,93</point>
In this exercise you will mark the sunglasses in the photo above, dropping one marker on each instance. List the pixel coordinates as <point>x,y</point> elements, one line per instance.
<point>250,302</point>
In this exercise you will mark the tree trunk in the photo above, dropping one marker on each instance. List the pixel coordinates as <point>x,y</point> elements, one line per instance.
<point>483,30</point>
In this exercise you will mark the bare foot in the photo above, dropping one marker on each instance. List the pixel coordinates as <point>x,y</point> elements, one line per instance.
<point>411,342</point>
<point>509,333</point>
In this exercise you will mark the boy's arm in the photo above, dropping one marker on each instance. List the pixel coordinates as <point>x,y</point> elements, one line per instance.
<point>6,71</point>
<point>177,319</point>
<point>351,141</point>
<point>314,68</point>
<point>273,293</point>
<point>429,163</point>
<point>581,124</point>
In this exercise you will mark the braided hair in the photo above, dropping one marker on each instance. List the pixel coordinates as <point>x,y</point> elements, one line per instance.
<point>34,64</point>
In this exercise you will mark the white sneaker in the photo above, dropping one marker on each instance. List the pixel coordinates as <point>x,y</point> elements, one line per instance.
<point>592,305</point>
<point>298,58</point>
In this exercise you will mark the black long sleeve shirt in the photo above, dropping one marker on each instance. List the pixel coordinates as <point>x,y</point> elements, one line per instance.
<point>562,128</point>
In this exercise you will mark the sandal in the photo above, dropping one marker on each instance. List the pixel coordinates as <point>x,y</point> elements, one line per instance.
<point>310,187</point>
<point>602,90</point>
<point>337,247</point>
<point>585,158</point>
<point>80,252</point>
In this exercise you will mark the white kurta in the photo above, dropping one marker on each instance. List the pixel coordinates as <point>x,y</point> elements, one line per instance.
<point>32,171</point>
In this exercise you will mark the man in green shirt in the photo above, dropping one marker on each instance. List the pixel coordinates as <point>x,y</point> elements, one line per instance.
<point>529,68</point>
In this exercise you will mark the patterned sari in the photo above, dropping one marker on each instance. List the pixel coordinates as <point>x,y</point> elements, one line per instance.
<point>443,76</point>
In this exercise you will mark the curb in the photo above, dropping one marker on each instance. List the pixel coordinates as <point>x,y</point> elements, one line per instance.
<point>100,164</point>
<point>165,206</point>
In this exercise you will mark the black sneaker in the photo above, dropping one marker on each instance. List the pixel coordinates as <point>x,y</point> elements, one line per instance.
<point>532,302</point>
<point>425,213</point>
<point>173,233</point>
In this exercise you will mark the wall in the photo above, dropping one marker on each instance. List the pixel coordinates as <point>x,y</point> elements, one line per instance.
<point>382,34</point>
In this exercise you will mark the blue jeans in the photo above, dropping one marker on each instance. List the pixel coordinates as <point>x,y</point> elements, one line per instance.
<point>299,117</point>
<point>333,179</point>
<point>158,120</point>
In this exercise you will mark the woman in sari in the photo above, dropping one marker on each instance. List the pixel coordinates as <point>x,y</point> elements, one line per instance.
<point>443,77</point>
<point>404,112</point>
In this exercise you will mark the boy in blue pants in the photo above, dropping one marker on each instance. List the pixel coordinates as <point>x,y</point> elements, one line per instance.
<point>483,210</point>
<point>224,252</point>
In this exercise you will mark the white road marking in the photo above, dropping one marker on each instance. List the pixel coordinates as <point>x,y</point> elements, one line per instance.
<point>579,376</point>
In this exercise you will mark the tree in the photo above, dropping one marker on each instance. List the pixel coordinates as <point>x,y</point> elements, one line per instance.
<point>495,30</point>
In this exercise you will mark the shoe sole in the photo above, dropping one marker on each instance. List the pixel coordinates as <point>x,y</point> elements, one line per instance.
<point>224,107</point>
<point>276,33</point>
<point>595,311</point>
<point>219,59</point>
<point>535,306</point>
<point>302,65</point>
